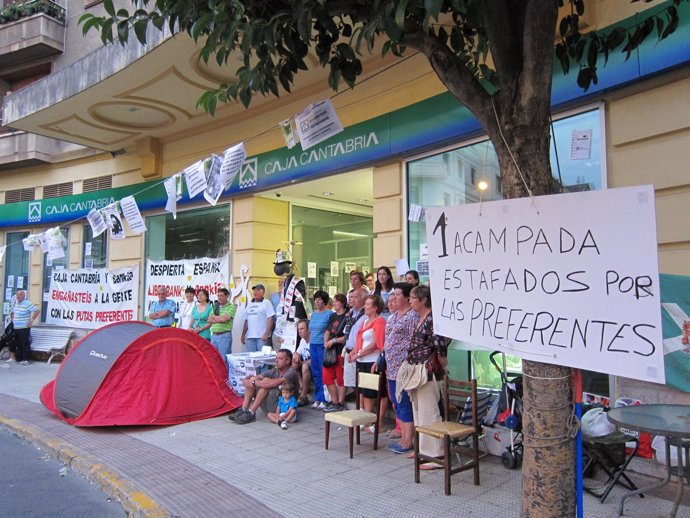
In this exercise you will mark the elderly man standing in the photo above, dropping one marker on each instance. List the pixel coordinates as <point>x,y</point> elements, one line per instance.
<point>264,389</point>
<point>162,312</point>
<point>258,325</point>
<point>23,315</point>
<point>221,324</point>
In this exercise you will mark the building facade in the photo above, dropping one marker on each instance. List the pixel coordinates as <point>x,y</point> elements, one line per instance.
<point>92,124</point>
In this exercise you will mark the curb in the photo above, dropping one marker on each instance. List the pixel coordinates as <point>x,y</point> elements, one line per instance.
<point>136,503</point>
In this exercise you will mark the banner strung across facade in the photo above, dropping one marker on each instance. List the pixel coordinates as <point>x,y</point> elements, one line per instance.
<point>88,298</point>
<point>569,279</point>
<point>205,272</point>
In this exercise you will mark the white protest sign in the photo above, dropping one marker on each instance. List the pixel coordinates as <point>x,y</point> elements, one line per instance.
<point>130,209</point>
<point>98,224</point>
<point>568,279</point>
<point>54,241</point>
<point>195,178</point>
<point>90,299</point>
<point>205,272</point>
<point>581,144</point>
<point>317,123</point>
<point>214,183</point>
<point>114,221</point>
<point>171,190</point>
<point>232,161</point>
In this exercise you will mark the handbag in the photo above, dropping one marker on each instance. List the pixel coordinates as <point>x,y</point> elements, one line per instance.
<point>381,365</point>
<point>330,357</point>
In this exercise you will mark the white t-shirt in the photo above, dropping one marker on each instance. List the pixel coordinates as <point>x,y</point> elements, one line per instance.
<point>185,315</point>
<point>257,317</point>
<point>303,350</point>
<point>368,338</point>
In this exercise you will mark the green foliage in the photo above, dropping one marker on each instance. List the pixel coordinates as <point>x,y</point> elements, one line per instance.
<point>584,49</point>
<point>266,43</point>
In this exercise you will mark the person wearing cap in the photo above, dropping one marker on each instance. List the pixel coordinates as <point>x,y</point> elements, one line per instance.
<point>258,324</point>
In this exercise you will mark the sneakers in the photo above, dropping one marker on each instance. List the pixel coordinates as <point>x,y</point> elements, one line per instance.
<point>10,360</point>
<point>396,447</point>
<point>283,425</point>
<point>235,415</point>
<point>319,405</point>
<point>315,404</point>
<point>25,362</point>
<point>246,417</point>
<point>331,407</point>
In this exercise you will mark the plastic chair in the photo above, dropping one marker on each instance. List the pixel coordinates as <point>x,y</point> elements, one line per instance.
<point>608,452</point>
<point>455,392</point>
<point>354,418</point>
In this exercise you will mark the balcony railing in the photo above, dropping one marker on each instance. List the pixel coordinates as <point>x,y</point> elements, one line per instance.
<point>15,12</point>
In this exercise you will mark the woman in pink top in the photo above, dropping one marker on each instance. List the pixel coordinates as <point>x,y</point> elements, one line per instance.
<point>370,340</point>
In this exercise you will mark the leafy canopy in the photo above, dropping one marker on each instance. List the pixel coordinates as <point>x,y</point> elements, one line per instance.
<point>272,39</point>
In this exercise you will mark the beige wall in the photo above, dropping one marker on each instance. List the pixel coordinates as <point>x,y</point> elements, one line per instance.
<point>260,227</point>
<point>389,216</point>
<point>648,135</point>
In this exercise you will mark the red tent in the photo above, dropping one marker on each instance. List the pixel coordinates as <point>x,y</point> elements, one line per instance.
<point>131,373</point>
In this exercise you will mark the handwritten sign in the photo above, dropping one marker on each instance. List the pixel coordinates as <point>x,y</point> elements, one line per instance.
<point>569,279</point>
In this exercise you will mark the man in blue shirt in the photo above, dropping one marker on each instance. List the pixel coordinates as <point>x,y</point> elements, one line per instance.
<point>162,312</point>
<point>23,315</point>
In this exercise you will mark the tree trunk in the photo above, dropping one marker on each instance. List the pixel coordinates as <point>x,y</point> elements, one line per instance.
<point>548,468</point>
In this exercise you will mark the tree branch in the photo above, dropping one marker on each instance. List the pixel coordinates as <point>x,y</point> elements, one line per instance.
<point>452,73</point>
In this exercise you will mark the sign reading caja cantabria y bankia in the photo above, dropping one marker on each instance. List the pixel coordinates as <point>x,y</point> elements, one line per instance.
<point>91,298</point>
<point>568,279</point>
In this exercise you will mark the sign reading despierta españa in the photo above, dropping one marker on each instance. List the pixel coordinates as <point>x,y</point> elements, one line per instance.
<point>568,279</point>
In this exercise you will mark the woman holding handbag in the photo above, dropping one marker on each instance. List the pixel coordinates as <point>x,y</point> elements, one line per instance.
<point>370,340</point>
<point>333,343</point>
<point>430,350</point>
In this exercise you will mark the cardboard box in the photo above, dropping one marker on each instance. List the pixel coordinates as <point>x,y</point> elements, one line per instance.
<point>496,440</point>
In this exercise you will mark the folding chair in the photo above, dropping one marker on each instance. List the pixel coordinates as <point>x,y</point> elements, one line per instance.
<point>609,453</point>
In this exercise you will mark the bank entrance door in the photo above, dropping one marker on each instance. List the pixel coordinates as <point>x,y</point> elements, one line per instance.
<point>328,246</point>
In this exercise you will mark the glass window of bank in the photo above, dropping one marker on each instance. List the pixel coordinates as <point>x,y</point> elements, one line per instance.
<point>328,245</point>
<point>94,249</point>
<point>193,234</point>
<point>51,265</point>
<point>452,178</point>
<point>16,268</point>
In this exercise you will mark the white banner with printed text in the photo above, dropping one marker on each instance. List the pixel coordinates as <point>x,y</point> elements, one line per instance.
<point>211,273</point>
<point>568,279</point>
<point>91,298</point>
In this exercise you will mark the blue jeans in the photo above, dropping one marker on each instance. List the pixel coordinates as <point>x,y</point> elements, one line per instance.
<point>223,344</point>
<point>316,351</point>
<point>253,344</point>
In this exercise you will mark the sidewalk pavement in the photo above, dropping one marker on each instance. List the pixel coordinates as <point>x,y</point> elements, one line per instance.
<point>218,468</point>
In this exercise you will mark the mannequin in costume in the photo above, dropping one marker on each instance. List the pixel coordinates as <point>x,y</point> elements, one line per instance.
<point>291,307</point>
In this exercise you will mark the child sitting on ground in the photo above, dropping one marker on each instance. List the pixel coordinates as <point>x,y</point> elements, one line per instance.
<point>286,411</point>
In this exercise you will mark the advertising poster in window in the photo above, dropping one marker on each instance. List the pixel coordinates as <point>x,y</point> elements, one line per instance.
<point>568,279</point>
<point>89,299</point>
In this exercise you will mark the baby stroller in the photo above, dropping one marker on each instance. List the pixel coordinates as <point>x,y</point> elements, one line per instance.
<point>510,411</point>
